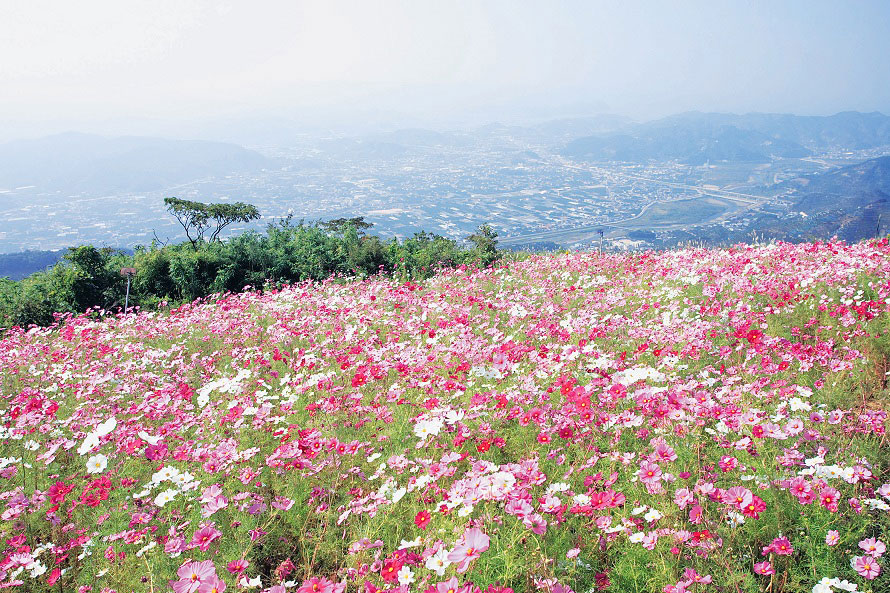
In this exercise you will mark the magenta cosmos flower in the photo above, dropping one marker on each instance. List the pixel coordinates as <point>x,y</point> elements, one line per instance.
<point>204,537</point>
<point>471,546</point>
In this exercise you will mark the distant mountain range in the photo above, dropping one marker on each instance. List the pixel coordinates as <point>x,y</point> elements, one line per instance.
<point>74,162</point>
<point>696,138</point>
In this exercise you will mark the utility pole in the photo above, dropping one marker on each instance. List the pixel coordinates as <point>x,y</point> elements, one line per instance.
<point>129,273</point>
<point>601,239</point>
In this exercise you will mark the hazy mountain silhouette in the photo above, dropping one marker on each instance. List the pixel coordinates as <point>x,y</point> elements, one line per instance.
<point>696,138</point>
<point>74,162</point>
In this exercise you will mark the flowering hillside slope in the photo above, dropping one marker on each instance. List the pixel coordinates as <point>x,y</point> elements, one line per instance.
<point>696,420</point>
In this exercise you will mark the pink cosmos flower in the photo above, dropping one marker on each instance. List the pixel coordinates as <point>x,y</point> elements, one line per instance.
<point>237,566</point>
<point>665,452</point>
<point>781,546</point>
<point>471,546</point>
<point>650,540</point>
<point>738,496</point>
<point>832,537</point>
<point>204,537</point>
<point>874,547</point>
<point>192,575</point>
<point>764,568</point>
<point>174,545</point>
<point>536,523</point>
<point>727,463</point>
<point>690,575</point>
<point>649,473</point>
<point>829,497</point>
<point>683,498</point>
<point>316,585</point>
<point>867,567</point>
<point>214,585</point>
<point>800,487</point>
<point>449,586</point>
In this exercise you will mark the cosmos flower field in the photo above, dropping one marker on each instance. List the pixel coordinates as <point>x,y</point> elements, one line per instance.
<point>693,420</point>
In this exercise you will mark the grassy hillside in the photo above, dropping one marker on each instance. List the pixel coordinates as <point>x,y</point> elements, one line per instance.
<point>696,420</point>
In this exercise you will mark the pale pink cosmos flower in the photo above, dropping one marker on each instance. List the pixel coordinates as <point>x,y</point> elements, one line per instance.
<point>683,497</point>
<point>867,567</point>
<point>832,537</point>
<point>649,473</point>
<point>214,585</point>
<point>471,546</point>
<point>764,568</point>
<point>192,575</point>
<point>649,540</point>
<point>874,547</point>
<point>738,496</point>
<point>449,586</point>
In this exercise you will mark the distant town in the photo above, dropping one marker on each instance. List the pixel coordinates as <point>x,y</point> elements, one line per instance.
<point>519,180</point>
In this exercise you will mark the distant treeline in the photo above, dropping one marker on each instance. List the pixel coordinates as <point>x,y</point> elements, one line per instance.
<point>90,277</point>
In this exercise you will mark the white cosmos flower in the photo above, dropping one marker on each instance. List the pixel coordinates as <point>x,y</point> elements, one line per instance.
<point>145,549</point>
<point>165,473</point>
<point>425,428</point>
<point>97,464</point>
<point>438,562</point>
<point>405,544</point>
<point>106,427</point>
<point>652,515</point>
<point>254,582</point>
<point>88,444</point>
<point>454,416</point>
<point>165,497</point>
<point>37,569</point>
<point>148,438</point>
<point>406,576</point>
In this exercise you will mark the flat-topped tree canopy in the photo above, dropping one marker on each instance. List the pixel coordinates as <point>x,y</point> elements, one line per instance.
<point>197,218</point>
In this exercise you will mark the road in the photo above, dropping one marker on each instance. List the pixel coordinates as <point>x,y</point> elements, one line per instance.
<point>587,232</point>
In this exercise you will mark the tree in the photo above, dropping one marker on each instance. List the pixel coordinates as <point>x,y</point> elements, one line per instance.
<point>197,218</point>
<point>485,243</point>
<point>340,225</point>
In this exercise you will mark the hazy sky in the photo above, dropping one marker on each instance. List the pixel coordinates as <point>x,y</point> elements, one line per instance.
<point>66,64</point>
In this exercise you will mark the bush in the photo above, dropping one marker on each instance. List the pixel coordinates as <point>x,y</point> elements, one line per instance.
<point>89,277</point>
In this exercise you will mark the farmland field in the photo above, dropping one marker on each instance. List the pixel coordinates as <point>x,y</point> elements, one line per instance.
<point>693,420</point>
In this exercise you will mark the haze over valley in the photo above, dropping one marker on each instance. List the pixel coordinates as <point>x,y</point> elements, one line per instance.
<point>694,176</point>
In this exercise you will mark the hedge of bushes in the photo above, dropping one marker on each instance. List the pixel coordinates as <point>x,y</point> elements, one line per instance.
<point>89,277</point>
